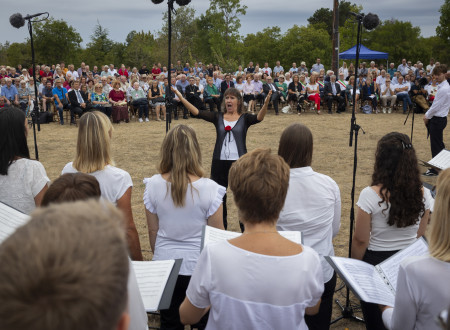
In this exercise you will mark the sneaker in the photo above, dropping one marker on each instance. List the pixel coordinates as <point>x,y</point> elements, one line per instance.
<point>146,120</point>
<point>390,110</point>
<point>430,172</point>
<point>384,110</point>
<point>140,120</point>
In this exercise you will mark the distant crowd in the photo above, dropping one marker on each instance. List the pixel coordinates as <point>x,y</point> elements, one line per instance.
<point>122,92</point>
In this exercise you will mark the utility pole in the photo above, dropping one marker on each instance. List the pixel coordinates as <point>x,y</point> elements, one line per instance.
<point>335,38</point>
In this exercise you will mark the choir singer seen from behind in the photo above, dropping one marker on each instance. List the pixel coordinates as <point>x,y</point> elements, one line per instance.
<point>179,202</point>
<point>423,289</point>
<point>392,212</point>
<point>259,280</point>
<point>317,217</point>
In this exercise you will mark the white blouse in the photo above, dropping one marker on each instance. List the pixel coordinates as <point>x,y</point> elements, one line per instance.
<point>382,236</point>
<point>257,291</point>
<point>423,291</point>
<point>114,182</point>
<point>229,147</point>
<point>180,228</point>
<point>25,179</point>
<point>313,206</point>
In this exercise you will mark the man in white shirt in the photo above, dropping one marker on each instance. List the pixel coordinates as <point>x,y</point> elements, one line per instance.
<point>403,68</point>
<point>387,94</point>
<point>112,71</point>
<point>381,78</point>
<point>278,68</point>
<point>72,72</point>
<point>294,68</point>
<point>430,66</point>
<point>266,69</point>
<point>436,117</point>
<point>401,90</point>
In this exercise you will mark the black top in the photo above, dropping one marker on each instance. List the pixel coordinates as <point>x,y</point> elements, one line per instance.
<point>294,88</point>
<point>155,93</point>
<point>239,130</point>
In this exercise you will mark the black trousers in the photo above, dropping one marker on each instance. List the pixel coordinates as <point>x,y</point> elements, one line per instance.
<point>322,319</point>
<point>338,98</point>
<point>371,312</point>
<point>170,318</point>
<point>436,127</point>
<point>213,101</point>
<point>275,100</point>
<point>219,174</point>
<point>76,111</point>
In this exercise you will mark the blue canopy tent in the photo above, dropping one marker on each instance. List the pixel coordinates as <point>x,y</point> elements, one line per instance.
<point>364,53</point>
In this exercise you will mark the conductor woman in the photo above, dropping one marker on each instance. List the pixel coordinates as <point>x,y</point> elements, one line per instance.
<point>231,129</point>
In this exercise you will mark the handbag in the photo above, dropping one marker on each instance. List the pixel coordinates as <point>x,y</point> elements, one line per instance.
<point>159,99</point>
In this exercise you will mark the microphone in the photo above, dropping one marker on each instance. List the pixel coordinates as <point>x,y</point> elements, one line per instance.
<point>17,20</point>
<point>371,21</point>
<point>358,16</point>
<point>156,2</point>
<point>182,2</point>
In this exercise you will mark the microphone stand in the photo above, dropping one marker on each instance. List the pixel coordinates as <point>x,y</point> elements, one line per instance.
<point>35,113</point>
<point>169,100</point>
<point>412,122</point>
<point>348,311</point>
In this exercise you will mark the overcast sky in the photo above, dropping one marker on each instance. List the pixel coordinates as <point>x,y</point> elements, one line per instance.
<point>120,17</point>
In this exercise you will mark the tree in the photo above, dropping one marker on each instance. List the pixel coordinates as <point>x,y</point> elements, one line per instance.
<point>139,49</point>
<point>99,49</point>
<point>324,16</point>
<point>443,29</point>
<point>260,47</point>
<point>184,32</point>
<point>399,39</point>
<point>224,23</point>
<point>55,41</point>
<point>305,43</point>
<point>18,53</point>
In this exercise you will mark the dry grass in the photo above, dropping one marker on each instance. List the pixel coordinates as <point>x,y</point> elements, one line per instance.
<point>136,149</point>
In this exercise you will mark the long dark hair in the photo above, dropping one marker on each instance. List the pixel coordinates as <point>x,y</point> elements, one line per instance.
<point>13,140</point>
<point>397,172</point>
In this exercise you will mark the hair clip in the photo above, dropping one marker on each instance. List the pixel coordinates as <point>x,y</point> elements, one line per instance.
<point>406,145</point>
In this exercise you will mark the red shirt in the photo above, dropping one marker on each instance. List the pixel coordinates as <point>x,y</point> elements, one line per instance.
<point>116,96</point>
<point>123,73</point>
<point>156,72</point>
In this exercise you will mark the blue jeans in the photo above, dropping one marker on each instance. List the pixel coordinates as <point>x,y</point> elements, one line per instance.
<point>406,100</point>
<point>61,113</point>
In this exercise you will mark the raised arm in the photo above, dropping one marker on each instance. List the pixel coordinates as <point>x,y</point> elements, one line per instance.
<point>263,111</point>
<point>192,109</point>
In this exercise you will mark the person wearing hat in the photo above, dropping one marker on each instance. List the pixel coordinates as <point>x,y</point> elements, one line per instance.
<point>303,68</point>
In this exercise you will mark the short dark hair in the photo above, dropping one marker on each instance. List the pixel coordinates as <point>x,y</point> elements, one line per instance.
<point>72,187</point>
<point>259,181</point>
<point>13,139</point>
<point>296,145</point>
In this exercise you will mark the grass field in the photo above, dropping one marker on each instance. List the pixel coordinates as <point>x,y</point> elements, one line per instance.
<point>136,149</point>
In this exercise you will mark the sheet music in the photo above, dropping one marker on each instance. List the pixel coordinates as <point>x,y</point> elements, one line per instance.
<point>212,235</point>
<point>152,278</point>
<point>441,160</point>
<point>10,220</point>
<point>391,265</point>
<point>365,280</point>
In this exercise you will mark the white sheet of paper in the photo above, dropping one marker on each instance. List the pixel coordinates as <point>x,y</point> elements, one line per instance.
<point>365,280</point>
<point>390,266</point>
<point>213,235</point>
<point>441,160</point>
<point>10,220</point>
<point>152,278</point>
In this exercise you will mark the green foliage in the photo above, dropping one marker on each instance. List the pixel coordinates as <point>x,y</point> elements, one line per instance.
<point>260,47</point>
<point>139,49</point>
<point>305,43</point>
<point>222,20</point>
<point>399,39</point>
<point>55,41</point>
<point>17,53</point>
<point>228,64</point>
<point>443,29</point>
<point>184,31</point>
<point>99,49</point>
